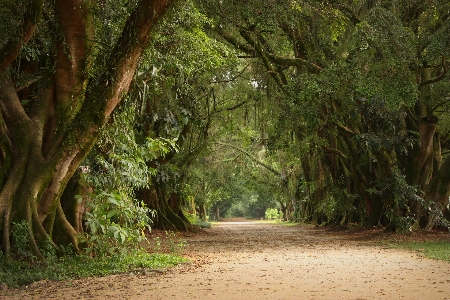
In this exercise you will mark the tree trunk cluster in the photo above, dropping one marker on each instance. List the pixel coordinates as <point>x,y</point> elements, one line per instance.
<point>53,105</point>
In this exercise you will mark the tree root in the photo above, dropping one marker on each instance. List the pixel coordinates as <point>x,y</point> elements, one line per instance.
<point>33,244</point>
<point>6,244</point>
<point>39,230</point>
<point>70,231</point>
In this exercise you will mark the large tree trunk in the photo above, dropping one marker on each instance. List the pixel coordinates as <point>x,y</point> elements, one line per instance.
<point>43,145</point>
<point>424,166</point>
<point>169,215</point>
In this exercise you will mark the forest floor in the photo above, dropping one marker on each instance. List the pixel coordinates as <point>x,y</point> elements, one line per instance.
<point>254,260</point>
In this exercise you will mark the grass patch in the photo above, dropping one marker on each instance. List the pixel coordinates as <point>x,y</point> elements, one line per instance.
<point>286,223</point>
<point>17,273</point>
<point>278,222</point>
<point>435,250</point>
<point>203,224</point>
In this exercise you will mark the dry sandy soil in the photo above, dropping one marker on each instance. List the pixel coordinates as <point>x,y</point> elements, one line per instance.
<point>246,260</point>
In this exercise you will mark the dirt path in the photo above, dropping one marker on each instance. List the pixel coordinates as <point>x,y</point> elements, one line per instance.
<point>261,261</point>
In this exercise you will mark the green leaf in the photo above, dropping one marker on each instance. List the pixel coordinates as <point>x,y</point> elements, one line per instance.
<point>113,212</point>
<point>113,201</point>
<point>122,237</point>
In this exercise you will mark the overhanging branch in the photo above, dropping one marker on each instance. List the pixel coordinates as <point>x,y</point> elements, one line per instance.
<point>234,77</point>
<point>292,61</point>
<point>254,159</point>
<point>105,92</point>
<point>439,78</point>
<point>231,107</point>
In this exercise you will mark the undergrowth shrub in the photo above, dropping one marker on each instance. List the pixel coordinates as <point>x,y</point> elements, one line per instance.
<point>115,222</point>
<point>273,214</point>
<point>21,241</point>
<point>195,220</point>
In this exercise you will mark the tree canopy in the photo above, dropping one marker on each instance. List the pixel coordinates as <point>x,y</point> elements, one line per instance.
<point>355,92</point>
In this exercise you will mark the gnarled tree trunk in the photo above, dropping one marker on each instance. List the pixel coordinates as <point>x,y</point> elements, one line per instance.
<point>43,142</point>
<point>169,215</point>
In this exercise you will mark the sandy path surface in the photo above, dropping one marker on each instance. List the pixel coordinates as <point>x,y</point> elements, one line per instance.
<point>261,261</point>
